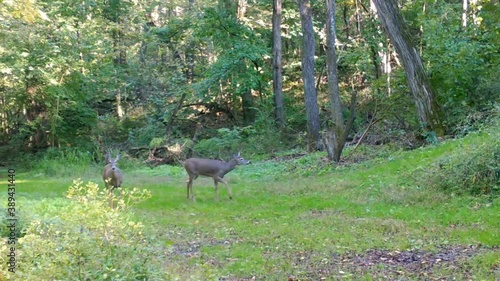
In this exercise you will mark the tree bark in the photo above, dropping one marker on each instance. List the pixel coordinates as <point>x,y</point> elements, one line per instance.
<point>465,8</point>
<point>428,109</point>
<point>173,116</point>
<point>242,9</point>
<point>338,129</point>
<point>120,57</point>
<point>310,96</point>
<point>278,66</point>
<point>248,107</point>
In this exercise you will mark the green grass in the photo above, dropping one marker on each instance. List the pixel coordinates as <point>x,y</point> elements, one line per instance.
<point>282,225</point>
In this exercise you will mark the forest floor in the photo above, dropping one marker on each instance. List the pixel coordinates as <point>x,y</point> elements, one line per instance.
<point>368,221</point>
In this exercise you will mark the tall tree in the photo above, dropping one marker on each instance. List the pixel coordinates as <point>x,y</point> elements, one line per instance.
<point>310,96</point>
<point>277,66</point>
<point>114,11</point>
<point>428,109</point>
<point>338,131</point>
<point>247,100</point>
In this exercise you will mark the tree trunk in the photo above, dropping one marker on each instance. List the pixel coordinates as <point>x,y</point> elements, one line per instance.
<point>465,8</point>
<point>242,9</point>
<point>338,129</point>
<point>248,107</point>
<point>190,52</point>
<point>173,116</point>
<point>310,96</point>
<point>4,119</point>
<point>119,60</point>
<point>428,110</point>
<point>277,66</point>
<point>119,108</point>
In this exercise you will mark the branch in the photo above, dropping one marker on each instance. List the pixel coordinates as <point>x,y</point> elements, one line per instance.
<point>213,107</point>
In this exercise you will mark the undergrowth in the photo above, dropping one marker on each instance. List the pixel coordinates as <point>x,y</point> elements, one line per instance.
<point>81,238</point>
<point>472,168</point>
<point>294,216</point>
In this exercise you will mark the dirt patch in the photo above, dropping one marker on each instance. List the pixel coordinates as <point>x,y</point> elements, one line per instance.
<point>287,157</point>
<point>448,262</point>
<point>392,265</point>
<point>191,249</point>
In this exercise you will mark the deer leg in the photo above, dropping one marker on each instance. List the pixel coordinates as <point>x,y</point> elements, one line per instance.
<point>190,188</point>
<point>216,198</point>
<point>229,191</point>
<point>227,186</point>
<point>111,196</point>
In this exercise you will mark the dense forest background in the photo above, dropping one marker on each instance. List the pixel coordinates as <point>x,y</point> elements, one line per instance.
<point>162,80</point>
<point>404,94</point>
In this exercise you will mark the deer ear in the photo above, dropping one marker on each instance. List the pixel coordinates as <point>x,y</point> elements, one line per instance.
<point>117,157</point>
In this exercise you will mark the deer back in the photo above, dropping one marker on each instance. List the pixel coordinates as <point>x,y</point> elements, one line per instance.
<point>213,168</point>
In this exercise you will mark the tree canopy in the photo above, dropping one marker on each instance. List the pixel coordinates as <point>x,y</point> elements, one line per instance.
<point>128,74</point>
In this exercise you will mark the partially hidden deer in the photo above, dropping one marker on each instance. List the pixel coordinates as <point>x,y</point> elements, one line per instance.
<point>111,174</point>
<point>215,169</point>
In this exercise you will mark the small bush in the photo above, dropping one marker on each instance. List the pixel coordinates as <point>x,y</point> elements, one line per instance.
<point>473,169</point>
<point>84,239</point>
<point>229,141</point>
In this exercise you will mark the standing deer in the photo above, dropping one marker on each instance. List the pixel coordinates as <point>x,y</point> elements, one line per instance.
<point>215,169</point>
<point>111,174</point>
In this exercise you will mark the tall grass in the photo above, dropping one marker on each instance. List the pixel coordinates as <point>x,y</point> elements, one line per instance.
<point>64,162</point>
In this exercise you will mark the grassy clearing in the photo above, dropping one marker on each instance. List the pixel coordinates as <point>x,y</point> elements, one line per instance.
<point>361,222</point>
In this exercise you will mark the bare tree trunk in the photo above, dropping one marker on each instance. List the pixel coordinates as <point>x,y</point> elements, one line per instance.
<point>190,52</point>
<point>428,110</point>
<point>247,99</point>
<point>119,108</point>
<point>346,22</point>
<point>173,116</point>
<point>248,107</point>
<point>337,126</point>
<point>242,9</point>
<point>278,66</point>
<point>120,59</point>
<point>475,10</point>
<point>358,18</point>
<point>388,68</point>
<point>470,7</point>
<point>4,117</point>
<point>310,95</point>
<point>465,8</point>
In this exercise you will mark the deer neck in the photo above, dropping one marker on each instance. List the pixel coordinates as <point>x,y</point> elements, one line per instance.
<point>229,166</point>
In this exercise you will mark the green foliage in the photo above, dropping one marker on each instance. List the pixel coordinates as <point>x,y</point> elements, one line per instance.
<point>464,62</point>
<point>474,168</point>
<point>228,142</point>
<point>62,66</point>
<point>83,238</point>
<point>239,54</point>
<point>63,161</point>
<point>114,131</point>
<point>261,138</point>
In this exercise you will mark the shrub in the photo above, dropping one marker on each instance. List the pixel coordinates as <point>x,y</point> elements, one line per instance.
<point>229,141</point>
<point>63,161</point>
<point>473,169</point>
<point>84,239</point>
